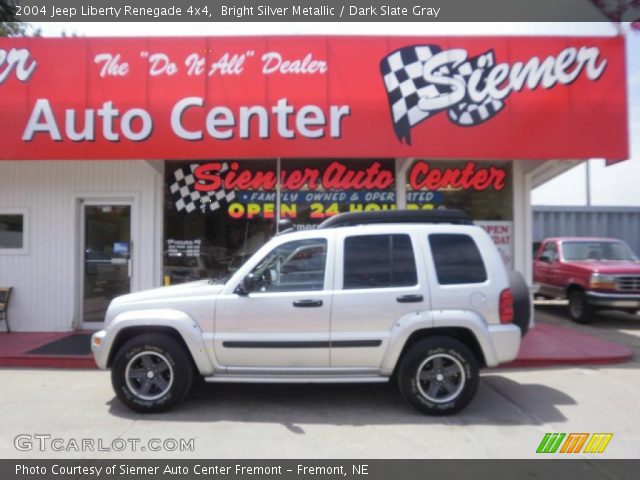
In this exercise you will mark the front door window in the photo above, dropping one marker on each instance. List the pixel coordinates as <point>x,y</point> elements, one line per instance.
<point>293,267</point>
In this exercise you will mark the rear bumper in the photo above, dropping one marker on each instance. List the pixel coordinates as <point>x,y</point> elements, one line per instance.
<point>614,300</point>
<point>506,343</point>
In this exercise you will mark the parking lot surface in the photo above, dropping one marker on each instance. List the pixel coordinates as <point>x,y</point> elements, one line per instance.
<point>513,410</point>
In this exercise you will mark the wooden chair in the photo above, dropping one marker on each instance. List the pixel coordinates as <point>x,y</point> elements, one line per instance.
<point>5,295</point>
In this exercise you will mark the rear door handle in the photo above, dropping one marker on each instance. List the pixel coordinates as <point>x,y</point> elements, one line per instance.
<point>307,303</point>
<point>410,298</point>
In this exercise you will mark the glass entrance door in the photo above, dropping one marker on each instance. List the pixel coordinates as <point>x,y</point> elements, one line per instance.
<point>106,258</point>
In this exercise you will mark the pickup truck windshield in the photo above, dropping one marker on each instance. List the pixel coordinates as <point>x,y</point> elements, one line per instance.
<point>596,250</point>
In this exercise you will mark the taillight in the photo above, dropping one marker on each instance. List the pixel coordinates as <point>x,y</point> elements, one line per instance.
<point>506,306</point>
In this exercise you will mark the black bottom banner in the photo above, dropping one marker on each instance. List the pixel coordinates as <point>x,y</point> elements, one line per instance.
<point>556,469</point>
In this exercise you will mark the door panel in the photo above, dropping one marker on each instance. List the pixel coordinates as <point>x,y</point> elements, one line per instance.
<point>283,322</point>
<point>267,330</point>
<point>377,283</point>
<point>546,272</point>
<point>106,264</point>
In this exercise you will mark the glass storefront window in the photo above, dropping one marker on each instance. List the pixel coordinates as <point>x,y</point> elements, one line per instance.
<point>335,186</point>
<point>211,223</point>
<point>218,213</point>
<point>481,189</point>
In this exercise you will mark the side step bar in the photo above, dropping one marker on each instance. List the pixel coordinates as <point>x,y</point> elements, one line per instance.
<point>227,378</point>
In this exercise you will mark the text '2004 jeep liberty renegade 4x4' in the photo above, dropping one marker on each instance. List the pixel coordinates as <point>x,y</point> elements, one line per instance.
<point>423,297</point>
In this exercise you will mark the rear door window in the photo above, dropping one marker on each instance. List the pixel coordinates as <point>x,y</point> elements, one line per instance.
<point>457,259</point>
<point>379,261</point>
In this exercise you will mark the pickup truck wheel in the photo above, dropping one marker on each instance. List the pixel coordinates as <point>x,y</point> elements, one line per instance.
<point>439,375</point>
<point>579,309</point>
<point>151,373</point>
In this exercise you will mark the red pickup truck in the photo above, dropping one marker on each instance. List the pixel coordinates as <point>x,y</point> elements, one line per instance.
<point>592,273</point>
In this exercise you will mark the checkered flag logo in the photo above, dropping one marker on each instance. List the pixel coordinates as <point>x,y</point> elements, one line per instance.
<point>403,72</point>
<point>186,197</point>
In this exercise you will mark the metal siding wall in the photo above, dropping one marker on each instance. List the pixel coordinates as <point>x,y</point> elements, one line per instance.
<point>44,279</point>
<point>617,222</point>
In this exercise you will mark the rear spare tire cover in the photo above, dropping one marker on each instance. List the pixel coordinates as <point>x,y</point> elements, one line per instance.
<point>521,301</point>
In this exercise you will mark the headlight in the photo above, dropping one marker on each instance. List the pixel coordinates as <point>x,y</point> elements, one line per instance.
<point>603,282</point>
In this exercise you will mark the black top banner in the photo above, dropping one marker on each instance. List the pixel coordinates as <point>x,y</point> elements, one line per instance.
<point>317,11</point>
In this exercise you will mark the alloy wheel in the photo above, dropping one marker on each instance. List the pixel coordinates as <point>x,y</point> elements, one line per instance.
<point>440,378</point>
<point>149,375</point>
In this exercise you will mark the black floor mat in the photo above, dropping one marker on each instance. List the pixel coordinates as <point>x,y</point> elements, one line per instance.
<point>77,344</point>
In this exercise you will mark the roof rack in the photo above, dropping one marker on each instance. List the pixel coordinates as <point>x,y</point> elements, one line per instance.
<point>454,216</point>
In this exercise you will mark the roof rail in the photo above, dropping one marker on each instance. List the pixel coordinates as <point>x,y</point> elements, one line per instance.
<point>397,216</point>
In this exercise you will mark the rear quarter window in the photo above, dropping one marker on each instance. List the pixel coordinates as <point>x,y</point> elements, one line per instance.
<point>457,259</point>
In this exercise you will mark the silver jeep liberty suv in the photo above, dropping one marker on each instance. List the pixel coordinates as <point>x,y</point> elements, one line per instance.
<point>419,297</point>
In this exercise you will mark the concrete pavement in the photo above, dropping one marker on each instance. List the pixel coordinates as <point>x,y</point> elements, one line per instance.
<point>512,411</point>
<point>508,418</point>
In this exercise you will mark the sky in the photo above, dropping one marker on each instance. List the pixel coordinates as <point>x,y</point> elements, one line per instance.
<point>614,185</point>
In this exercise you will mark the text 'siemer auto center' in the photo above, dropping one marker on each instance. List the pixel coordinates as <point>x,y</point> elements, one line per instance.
<point>129,163</point>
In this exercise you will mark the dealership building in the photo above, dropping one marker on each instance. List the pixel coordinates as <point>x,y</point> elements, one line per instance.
<point>129,163</point>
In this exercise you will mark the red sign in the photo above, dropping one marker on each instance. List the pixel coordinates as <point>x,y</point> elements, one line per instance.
<point>266,97</point>
<point>336,176</point>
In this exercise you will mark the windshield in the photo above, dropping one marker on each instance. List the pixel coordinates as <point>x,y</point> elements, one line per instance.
<point>597,250</point>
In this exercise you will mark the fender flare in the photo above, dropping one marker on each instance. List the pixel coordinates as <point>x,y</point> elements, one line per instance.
<point>176,320</point>
<point>414,322</point>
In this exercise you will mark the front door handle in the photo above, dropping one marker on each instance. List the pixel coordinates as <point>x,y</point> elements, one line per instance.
<point>410,298</point>
<point>307,303</point>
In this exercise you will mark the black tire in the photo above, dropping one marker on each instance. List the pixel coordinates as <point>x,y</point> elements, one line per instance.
<point>434,396</point>
<point>579,309</point>
<point>151,373</point>
<point>521,301</point>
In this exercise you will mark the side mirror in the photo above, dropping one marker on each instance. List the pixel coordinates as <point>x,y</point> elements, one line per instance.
<point>247,285</point>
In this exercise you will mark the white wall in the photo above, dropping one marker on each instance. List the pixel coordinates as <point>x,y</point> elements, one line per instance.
<point>44,279</point>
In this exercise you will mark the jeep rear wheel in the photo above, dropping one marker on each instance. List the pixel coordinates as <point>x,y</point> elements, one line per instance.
<point>151,373</point>
<point>579,309</point>
<point>439,375</point>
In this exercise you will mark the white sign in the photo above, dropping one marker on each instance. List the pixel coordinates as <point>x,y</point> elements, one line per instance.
<point>501,233</point>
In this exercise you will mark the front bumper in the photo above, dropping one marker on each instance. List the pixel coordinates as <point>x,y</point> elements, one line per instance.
<point>614,300</point>
<point>99,349</point>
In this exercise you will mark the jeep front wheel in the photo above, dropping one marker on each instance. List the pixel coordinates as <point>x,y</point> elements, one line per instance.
<point>439,375</point>
<point>151,373</point>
